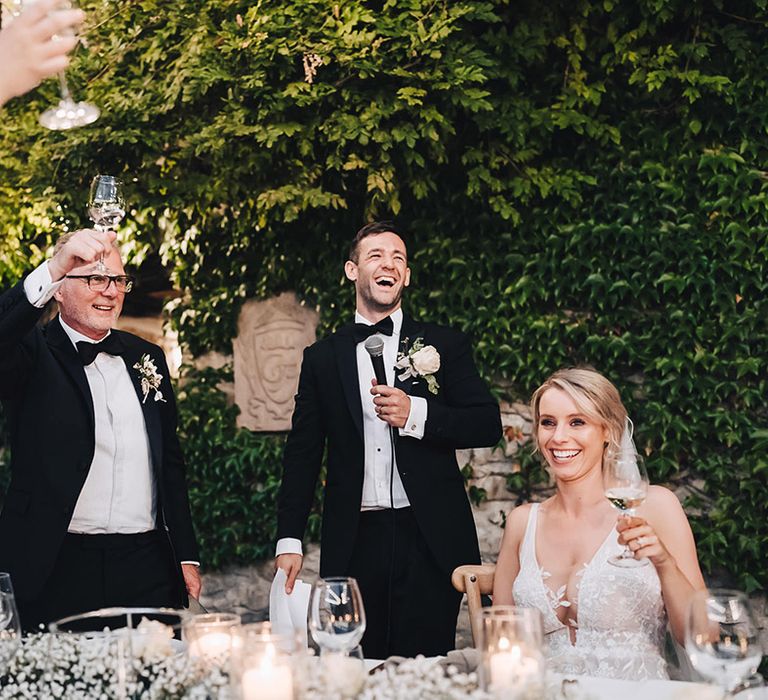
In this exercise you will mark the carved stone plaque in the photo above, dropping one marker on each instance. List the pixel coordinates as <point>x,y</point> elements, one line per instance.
<point>271,337</point>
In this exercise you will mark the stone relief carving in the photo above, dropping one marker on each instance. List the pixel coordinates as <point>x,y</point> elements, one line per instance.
<point>271,338</point>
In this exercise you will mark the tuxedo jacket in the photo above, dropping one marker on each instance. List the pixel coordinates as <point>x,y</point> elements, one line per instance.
<point>49,410</point>
<point>328,413</point>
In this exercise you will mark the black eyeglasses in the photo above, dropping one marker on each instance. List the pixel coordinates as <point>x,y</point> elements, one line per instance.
<point>100,283</point>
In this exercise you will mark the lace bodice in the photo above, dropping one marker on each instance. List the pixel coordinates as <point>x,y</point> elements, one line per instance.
<point>621,617</point>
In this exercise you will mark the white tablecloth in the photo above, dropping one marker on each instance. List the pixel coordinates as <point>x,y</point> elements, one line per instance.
<point>608,689</point>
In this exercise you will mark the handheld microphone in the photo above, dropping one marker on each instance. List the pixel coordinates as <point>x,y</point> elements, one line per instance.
<point>375,347</point>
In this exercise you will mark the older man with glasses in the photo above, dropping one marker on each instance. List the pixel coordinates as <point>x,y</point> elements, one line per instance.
<point>96,514</point>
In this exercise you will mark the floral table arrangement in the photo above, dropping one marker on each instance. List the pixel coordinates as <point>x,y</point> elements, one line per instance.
<point>75,668</point>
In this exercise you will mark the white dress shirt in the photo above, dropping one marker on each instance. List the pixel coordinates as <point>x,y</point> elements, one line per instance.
<point>39,287</point>
<point>376,439</point>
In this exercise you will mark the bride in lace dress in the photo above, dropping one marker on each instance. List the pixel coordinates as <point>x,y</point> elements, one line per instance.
<point>599,619</point>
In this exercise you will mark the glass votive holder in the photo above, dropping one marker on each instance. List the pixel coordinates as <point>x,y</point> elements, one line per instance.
<point>287,643</point>
<point>261,666</point>
<point>511,652</point>
<point>342,673</point>
<point>211,636</point>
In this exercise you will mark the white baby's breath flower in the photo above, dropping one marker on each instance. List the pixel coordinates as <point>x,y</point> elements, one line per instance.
<point>150,377</point>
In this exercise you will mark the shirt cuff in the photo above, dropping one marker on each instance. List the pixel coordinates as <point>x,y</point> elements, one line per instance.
<point>194,563</point>
<point>417,418</point>
<point>39,287</point>
<point>288,545</point>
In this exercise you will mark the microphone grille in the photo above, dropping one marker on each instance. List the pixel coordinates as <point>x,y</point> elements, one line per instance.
<point>375,345</point>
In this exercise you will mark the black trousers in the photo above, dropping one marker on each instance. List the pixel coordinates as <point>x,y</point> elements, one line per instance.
<point>411,607</point>
<point>99,571</point>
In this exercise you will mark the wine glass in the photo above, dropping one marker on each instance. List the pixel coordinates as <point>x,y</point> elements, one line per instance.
<point>626,484</point>
<point>722,638</point>
<point>67,114</point>
<point>10,625</point>
<point>337,616</point>
<point>106,207</point>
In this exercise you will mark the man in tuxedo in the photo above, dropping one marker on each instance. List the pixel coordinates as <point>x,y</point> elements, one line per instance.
<point>398,521</point>
<point>96,513</point>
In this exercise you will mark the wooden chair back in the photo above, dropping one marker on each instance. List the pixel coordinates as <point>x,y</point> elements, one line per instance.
<point>475,580</point>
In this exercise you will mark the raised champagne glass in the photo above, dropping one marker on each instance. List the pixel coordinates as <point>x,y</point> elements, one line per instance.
<point>626,485</point>
<point>67,113</point>
<point>106,207</point>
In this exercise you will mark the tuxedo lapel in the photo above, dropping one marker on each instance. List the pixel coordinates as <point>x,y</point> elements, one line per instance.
<point>149,406</point>
<point>409,331</point>
<point>346,362</point>
<point>64,351</point>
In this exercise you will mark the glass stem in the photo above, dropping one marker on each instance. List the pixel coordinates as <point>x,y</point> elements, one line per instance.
<point>66,95</point>
<point>627,553</point>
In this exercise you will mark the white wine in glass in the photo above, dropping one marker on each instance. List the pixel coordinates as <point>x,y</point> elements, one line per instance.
<point>626,485</point>
<point>66,114</point>
<point>106,206</point>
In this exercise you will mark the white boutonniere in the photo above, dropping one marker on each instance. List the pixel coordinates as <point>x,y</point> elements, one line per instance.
<point>419,361</point>
<point>150,377</point>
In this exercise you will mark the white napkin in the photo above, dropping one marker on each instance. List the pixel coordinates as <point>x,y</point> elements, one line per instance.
<point>288,613</point>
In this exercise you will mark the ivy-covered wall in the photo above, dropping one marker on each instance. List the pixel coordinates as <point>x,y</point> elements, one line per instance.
<point>585,182</point>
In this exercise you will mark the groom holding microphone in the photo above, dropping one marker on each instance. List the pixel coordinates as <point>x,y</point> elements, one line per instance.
<point>391,399</point>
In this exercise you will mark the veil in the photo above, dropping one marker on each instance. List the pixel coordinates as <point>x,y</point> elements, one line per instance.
<point>626,456</point>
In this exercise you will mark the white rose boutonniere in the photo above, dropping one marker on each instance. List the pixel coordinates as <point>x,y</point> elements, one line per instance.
<point>150,377</point>
<point>419,361</point>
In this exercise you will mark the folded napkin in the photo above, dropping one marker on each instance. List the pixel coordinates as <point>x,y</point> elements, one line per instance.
<point>463,660</point>
<point>288,613</point>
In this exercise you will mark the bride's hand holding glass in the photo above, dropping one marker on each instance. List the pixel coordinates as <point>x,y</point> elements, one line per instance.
<point>638,535</point>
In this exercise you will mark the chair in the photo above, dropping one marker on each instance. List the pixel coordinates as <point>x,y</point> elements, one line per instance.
<point>475,580</point>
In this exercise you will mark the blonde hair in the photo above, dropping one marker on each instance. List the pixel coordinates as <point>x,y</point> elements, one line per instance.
<point>595,396</point>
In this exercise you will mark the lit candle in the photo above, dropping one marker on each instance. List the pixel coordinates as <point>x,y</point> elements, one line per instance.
<point>211,645</point>
<point>510,669</point>
<point>267,681</point>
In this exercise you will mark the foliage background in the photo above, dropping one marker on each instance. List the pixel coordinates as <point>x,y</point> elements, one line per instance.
<point>585,182</point>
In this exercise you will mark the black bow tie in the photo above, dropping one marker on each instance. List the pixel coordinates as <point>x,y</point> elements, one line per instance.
<point>88,351</point>
<point>362,331</point>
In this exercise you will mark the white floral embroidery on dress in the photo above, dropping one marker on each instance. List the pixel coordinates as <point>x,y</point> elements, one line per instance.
<point>150,377</point>
<point>621,617</point>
